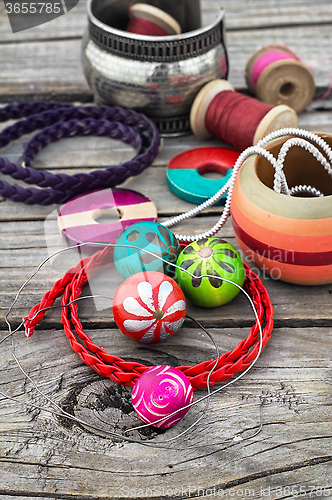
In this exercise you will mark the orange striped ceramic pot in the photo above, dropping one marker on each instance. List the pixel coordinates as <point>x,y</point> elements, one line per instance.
<point>288,237</point>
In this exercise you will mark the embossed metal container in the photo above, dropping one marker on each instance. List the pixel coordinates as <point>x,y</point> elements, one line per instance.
<point>159,76</point>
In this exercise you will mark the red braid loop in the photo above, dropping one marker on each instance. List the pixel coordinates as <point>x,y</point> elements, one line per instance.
<point>125,372</point>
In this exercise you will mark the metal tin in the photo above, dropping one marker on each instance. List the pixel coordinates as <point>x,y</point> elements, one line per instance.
<point>159,76</point>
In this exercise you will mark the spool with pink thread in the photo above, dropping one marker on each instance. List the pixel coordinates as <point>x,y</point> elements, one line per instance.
<point>276,75</point>
<point>149,20</point>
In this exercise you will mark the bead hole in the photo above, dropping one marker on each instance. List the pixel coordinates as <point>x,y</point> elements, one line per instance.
<point>133,236</point>
<point>106,215</point>
<point>205,252</point>
<point>212,170</point>
<point>158,314</point>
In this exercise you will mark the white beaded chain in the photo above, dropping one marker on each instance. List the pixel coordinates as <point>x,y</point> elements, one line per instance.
<point>280,183</point>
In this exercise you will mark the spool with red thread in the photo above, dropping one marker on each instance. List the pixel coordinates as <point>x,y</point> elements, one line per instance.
<point>149,20</point>
<point>276,75</point>
<point>237,119</point>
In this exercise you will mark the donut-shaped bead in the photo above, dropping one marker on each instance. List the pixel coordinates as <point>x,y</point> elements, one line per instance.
<point>288,237</point>
<point>217,259</point>
<point>160,391</point>
<point>151,237</point>
<point>149,307</point>
<point>78,218</point>
<point>185,173</point>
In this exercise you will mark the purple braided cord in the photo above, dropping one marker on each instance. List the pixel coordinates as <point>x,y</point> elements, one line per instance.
<point>59,120</point>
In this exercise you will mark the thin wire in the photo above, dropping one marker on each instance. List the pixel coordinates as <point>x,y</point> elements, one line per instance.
<point>62,412</point>
<point>209,394</point>
<point>31,277</point>
<point>280,180</point>
<point>112,434</point>
<point>48,308</point>
<point>18,361</point>
<point>233,380</point>
<point>191,404</point>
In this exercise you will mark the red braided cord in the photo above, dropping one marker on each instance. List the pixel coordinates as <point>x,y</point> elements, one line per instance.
<point>125,372</point>
<point>107,365</point>
<point>59,287</point>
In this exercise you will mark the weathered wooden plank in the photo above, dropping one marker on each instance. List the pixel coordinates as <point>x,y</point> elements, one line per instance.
<point>151,182</point>
<point>261,14</point>
<point>239,15</point>
<point>30,234</point>
<point>29,237</point>
<point>293,305</point>
<point>292,308</point>
<point>96,152</point>
<point>52,70</point>
<point>43,454</point>
<point>70,25</point>
<point>11,497</point>
<point>63,77</point>
<point>91,151</point>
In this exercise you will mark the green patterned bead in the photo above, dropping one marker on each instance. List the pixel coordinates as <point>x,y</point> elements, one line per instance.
<point>218,259</point>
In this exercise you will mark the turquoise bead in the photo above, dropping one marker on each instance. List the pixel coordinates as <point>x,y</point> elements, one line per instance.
<point>152,237</point>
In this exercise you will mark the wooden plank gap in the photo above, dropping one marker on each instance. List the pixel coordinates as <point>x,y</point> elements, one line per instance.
<point>40,40</point>
<point>278,26</point>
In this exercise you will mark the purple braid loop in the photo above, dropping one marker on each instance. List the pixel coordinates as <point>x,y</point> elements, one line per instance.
<point>56,121</point>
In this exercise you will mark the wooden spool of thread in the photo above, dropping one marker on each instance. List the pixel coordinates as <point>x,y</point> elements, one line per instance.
<point>149,20</point>
<point>235,118</point>
<point>276,75</point>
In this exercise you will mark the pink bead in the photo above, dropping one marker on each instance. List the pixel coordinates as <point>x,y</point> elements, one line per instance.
<point>160,391</point>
